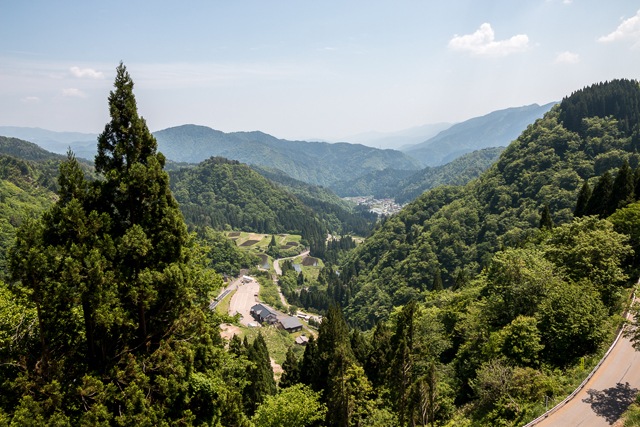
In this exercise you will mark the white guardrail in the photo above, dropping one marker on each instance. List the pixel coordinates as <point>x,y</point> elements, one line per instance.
<point>593,371</point>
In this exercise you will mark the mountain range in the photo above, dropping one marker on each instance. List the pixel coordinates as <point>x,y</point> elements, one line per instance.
<point>340,166</point>
<point>496,129</point>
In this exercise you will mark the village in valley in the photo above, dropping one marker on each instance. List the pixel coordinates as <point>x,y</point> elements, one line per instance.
<point>380,207</point>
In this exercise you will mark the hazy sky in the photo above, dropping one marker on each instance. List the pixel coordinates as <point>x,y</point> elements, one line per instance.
<point>305,69</point>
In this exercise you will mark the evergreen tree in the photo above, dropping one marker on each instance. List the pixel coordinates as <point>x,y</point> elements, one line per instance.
<point>377,363</point>
<point>546,223</point>
<point>291,370</point>
<point>309,367</point>
<point>437,281</point>
<point>622,192</point>
<point>260,375</point>
<point>583,199</point>
<point>120,293</point>
<point>599,202</point>
<point>402,363</point>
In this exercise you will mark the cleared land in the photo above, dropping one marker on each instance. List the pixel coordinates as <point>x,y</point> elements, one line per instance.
<point>242,301</point>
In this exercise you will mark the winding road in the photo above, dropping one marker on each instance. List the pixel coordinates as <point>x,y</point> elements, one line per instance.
<point>276,262</point>
<point>609,391</point>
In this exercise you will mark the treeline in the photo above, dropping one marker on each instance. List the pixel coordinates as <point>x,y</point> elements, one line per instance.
<point>618,99</point>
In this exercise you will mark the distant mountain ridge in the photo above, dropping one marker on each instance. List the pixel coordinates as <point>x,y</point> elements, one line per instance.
<point>82,144</point>
<point>496,129</point>
<point>333,165</point>
<point>398,140</point>
<point>318,163</point>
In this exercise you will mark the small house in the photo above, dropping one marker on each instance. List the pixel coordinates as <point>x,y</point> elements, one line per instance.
<point>264,314</point>
<point>290,324</point>
<point>302,340</point>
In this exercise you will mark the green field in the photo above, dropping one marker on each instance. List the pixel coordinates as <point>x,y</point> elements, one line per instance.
<point>257,243</point>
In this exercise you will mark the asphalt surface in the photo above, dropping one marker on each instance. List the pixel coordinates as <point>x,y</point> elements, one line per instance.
<point>242,301</point>
<point>606,395</point>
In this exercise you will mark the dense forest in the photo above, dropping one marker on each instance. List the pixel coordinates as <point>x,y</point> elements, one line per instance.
<point>470,307</point>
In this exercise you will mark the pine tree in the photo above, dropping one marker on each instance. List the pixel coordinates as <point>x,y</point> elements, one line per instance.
<point>377,363</point>
<point>437,281</point>
<point>309,369</point>
<point>120,292</point>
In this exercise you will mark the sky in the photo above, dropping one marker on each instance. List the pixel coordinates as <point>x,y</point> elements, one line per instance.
<point>305,69</point>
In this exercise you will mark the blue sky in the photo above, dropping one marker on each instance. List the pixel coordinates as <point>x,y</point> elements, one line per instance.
<point>303,69</point>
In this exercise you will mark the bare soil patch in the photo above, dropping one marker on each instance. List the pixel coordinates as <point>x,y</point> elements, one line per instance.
<point>234,234</point>
<point>249,243</point>
<point>310,261</point>
<point>277,369</point>
<point>227,331</point>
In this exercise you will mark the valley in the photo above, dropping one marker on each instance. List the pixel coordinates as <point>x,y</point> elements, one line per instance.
<point>490,285</point>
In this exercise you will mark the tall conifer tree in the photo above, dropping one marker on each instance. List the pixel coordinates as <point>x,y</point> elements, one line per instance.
<point>583,199</point>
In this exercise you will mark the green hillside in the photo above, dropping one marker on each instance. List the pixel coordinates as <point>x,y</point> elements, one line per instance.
<point>475,306</point>
<point>340,216</point>
<point>453,230</point>
<point>226,194</point>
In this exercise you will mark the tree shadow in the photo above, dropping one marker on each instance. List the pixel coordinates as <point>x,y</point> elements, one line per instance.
<point>612,402</point>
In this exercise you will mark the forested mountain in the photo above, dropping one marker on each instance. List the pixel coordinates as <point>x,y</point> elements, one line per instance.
<point>317,163</point>
<point>26,191</point>
<point>223,193</point>
<point>496,129</point>
<point>339,215</point>
<point>404,186</point>
<point>458,172</point>
<point>481,300</point>
<point>27,186</point>
<point>453,231</point>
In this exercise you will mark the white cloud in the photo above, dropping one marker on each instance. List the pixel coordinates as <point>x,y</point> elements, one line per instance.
<point>30,100</point>
<point>629,29</point>
<point>567,58</point>
<point>73,93</point>
<point>483,43</point>
<point>86,72</point>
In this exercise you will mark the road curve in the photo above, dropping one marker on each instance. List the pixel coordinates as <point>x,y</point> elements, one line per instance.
<point>276,262</point>
<point>606,395</point>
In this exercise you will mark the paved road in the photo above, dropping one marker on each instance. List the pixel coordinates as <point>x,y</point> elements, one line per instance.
<point>242,301</point>
<point>276,262</point>
<point>608,393</point>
